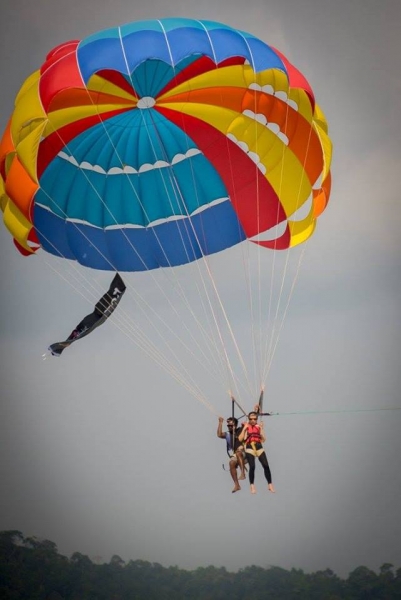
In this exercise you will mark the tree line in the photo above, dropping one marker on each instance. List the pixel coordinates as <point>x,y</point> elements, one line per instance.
<point>33,569</point>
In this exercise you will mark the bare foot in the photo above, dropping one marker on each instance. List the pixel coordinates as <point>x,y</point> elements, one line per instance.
<point>237,488</point>
<point>270,487</point>
<point>253,489</point>
<point>242,476</point>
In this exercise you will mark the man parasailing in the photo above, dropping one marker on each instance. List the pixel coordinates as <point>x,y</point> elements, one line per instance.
<point>235,449</point>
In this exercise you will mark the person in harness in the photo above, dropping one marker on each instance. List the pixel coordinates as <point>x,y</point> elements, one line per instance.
<point>253,436</point>
<point>235,449</point>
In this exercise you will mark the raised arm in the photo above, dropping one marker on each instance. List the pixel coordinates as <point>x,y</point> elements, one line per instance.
<point>220,433</point>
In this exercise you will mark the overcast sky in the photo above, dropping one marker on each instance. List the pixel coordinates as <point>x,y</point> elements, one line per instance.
<point>104,453</point>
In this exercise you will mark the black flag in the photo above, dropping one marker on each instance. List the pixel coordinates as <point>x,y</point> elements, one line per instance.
<point>103,309</point>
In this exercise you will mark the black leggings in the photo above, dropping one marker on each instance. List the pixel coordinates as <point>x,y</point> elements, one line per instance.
<point>265,464</point>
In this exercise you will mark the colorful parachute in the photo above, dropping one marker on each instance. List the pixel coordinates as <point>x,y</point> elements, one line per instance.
<point>159,142</point>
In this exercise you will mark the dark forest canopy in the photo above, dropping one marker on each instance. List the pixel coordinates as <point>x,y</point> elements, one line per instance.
<point>32,569</point>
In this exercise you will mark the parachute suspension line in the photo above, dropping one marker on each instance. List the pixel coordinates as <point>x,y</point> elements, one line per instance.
<point>191,265</point>
<point>259,251</point>
<point>229,328</point>
<point>251,302</point>
<point>230,372</point>
<point>226,364</point>
<point>277,326</point>
<point>208,311</point>
<point>246,271</point>
<point>281,324</point>
<point>229,368</point>
<point>270,337</point>
<point>181,293</point>
<point>274,342</point>
<point>241,359</point>
<point>256,327</point>
<point>254,303</point>
<point>211,278</point>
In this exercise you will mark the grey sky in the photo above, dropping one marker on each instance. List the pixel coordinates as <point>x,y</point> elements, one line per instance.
<point>77,466</point>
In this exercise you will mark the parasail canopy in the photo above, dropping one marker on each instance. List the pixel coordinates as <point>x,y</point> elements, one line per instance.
<point>158,142</point>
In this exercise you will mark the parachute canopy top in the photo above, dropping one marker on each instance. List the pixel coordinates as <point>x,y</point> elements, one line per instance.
<point>159,142</point>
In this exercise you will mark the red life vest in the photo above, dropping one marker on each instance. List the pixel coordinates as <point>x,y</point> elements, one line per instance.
<point>253,434</point>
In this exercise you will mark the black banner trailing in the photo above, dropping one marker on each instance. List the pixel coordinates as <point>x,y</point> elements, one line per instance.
<point>103,309</point>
